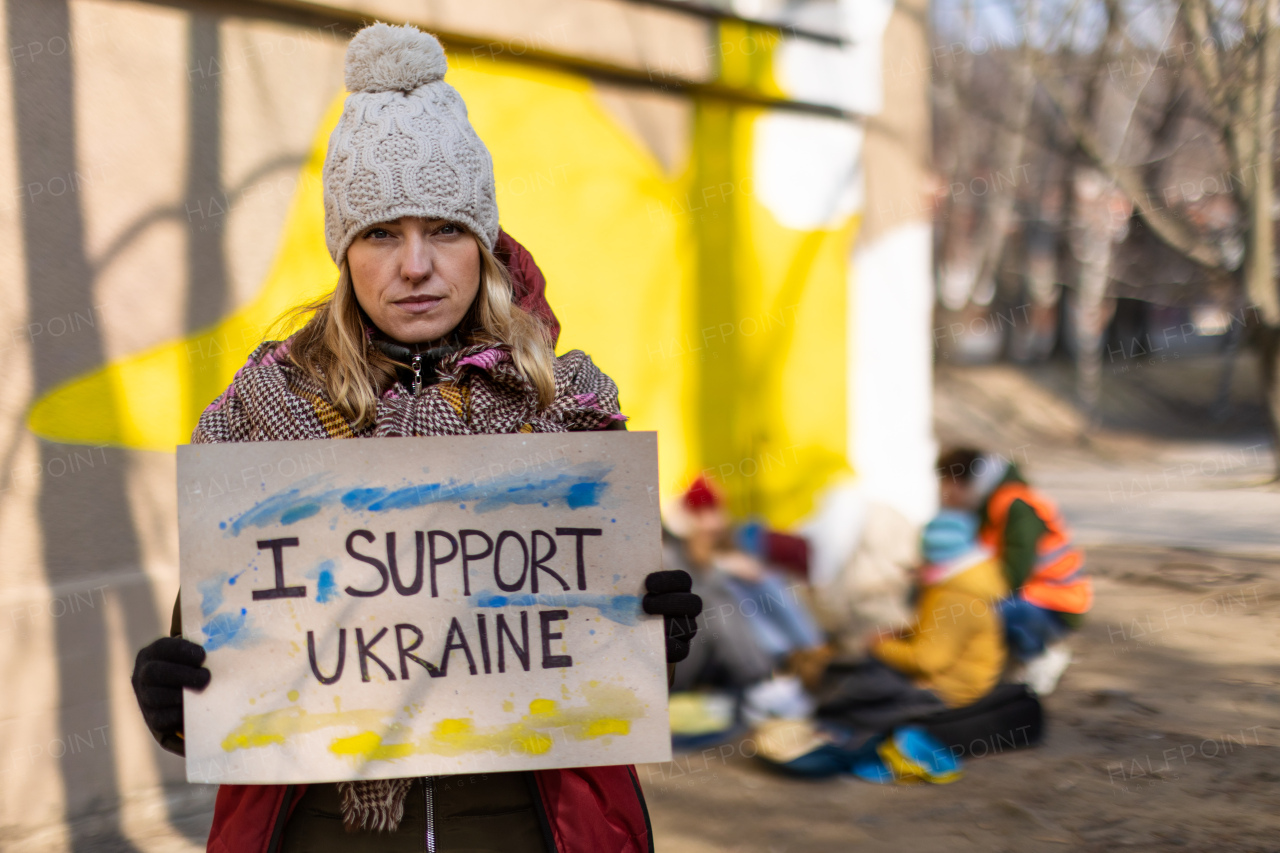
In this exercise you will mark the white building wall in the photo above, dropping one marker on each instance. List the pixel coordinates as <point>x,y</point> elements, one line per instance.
<point>891,441</point>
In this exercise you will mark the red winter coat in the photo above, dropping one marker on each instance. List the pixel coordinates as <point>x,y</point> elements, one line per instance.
<point>582,810</point>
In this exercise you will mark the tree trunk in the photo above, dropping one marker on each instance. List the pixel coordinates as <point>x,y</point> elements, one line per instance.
<point>1100,214</point>
<point>1268,339</point>
<point>1010,144</point>
<point>1260,276</point>
<point>1091,293</point>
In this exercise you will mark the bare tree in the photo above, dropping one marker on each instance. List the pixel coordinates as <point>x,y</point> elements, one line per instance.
<point>1010,144</point>
<point>1130,84</point>
<point>1101,209</point>
<point>1229,55</point>
<point>1242,86</point>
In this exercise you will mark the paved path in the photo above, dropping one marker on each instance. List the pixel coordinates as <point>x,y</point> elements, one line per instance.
<point>1208,496</point>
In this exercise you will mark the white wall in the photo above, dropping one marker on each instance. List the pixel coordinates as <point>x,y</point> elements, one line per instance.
<point>891,439</point>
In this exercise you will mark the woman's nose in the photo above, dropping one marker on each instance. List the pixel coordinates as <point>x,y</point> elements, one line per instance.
<point>417,259</point>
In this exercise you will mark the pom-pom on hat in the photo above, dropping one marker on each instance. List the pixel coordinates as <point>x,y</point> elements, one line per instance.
<point>701,496</point>
<point>383,58</point>
<point>404,146</point>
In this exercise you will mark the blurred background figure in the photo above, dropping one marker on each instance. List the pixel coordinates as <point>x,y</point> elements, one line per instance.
<point>1042,568</point>
<point>950,655</point>
<point>863,556</point>
<point>755,617</point>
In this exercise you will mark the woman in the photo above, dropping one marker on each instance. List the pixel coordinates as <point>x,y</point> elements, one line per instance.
<point>421,336</point>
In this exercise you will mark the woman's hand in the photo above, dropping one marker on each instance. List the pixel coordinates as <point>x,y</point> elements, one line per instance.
<point>670,597</point>
<point>160,673</point>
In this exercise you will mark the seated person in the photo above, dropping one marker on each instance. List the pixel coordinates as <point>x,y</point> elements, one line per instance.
<point>953,652</point>
<point>754,618</point>
<point>866,556</point>
<point>1045,573</point>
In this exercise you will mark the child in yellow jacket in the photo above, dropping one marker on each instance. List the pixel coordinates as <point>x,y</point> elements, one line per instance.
<point>955,647</point>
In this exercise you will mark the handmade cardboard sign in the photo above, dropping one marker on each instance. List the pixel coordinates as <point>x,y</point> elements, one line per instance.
<point>393,607</point>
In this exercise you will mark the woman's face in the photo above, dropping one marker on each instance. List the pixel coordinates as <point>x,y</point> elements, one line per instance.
<point>415,278</point>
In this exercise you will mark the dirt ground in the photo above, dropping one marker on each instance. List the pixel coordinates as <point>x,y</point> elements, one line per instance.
<point>1164,734</point>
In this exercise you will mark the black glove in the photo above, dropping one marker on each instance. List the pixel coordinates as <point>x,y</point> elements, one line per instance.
<point>669,597</point>
<point>159,674</point>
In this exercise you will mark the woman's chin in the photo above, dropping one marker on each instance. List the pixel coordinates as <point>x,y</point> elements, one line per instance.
<point>411,334</point>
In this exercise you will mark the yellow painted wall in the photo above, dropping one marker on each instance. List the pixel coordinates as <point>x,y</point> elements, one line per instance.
<point>160,207</point>
<point>684,288</point>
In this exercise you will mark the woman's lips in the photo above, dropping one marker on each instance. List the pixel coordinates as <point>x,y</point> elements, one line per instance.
<point>419,304</point>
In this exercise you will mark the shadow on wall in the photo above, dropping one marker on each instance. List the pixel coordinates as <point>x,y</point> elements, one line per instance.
<point>86,525</point>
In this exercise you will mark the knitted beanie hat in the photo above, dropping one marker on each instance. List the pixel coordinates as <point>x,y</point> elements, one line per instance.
<point>950,534</point>
<point>702,496</point>
<point>403,146</point>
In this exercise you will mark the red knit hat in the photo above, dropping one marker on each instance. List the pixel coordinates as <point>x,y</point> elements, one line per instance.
<point>701,496</point>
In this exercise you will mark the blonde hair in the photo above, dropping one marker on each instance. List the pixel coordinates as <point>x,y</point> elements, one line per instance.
<point>333,349</point>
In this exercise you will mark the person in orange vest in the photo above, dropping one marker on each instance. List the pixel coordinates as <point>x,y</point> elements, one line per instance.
<point>1050,592</point>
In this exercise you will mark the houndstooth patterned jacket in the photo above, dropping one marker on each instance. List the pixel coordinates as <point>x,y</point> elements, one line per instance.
<point>480,392</point>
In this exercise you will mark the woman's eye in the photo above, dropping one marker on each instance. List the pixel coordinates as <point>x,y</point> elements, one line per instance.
<point>449,228</point>
<point>377,233</point>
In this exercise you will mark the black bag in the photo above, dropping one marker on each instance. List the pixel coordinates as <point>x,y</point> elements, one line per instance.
<point>1009,717</point>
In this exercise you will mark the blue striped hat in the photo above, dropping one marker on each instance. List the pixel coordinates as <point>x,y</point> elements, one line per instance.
<point>952,533</point>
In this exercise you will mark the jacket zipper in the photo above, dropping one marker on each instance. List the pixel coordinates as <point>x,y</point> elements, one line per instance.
<point>282,818</point>
<point>417,376</point>
<point>429,799</point>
